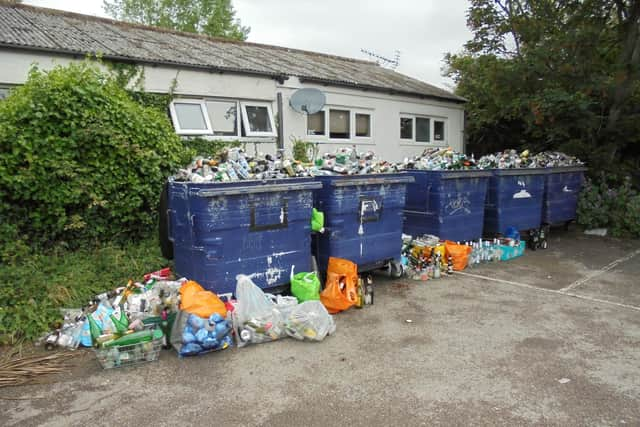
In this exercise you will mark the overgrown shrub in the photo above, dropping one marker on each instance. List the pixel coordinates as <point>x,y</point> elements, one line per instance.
<point>33,291</point>
<point>80,160</point>
<point>617,209</point>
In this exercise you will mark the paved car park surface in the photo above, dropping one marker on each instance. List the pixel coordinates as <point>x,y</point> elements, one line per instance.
<point>551,338</point>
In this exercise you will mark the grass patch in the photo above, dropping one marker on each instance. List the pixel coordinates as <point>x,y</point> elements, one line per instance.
<point>33,291</point>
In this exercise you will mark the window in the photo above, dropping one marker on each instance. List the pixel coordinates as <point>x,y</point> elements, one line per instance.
<point>190,118</point>
<point>423,129</point>
<point>339,124</point>
<point>438,130</point>
<point>257,119</point>
<point>220,117</point>
<point>4,92</point>
<point>406,128</point>
<point>223,116</point>
<point>363,125</point>
<point>316,123</point>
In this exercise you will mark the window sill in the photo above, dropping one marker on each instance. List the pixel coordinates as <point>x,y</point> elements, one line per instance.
<point>424,144</point>
<point>342,141</point>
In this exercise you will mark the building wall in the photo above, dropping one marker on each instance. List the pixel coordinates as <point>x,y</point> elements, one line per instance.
<point>385,109</point>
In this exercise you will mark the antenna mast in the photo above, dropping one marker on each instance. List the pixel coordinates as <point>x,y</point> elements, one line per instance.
<point>392,64</point>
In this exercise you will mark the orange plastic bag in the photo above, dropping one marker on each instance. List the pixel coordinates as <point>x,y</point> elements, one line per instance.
<point>459,254</point>
<point>340,292</point>
<point>196,300</point>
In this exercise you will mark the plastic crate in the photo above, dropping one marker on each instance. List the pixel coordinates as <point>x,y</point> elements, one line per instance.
<point>509,252</point>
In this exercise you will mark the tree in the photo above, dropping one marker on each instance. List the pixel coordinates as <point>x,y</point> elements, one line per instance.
<point>554,74</point>
<point>211,17</point>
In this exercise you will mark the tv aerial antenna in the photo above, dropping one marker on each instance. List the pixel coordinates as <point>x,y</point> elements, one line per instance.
<point>392,64</point>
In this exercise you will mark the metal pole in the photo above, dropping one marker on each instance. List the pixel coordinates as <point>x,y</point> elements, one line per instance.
<point>280,141</point>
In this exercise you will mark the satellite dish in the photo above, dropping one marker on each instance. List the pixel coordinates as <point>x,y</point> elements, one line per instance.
<point>307,100</point>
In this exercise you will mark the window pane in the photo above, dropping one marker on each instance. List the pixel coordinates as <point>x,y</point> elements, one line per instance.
<point>315,123</point>
<point>339,124</point>
<point>363,125</point>
<point>423,130</point>
<point>258,119</point>
<point>223,117</point>
<point>4,92</point>
<point>406,128</point>
<point>190,116</point>
<point>438,130</point>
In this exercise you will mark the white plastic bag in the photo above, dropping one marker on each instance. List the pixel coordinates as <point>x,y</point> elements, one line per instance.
<point>311,321</point>
<point>256,319</point>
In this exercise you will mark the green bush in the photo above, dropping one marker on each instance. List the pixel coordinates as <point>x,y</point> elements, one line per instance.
<point>33,291</point>
<point>617,209</point>
<point>80,160</point>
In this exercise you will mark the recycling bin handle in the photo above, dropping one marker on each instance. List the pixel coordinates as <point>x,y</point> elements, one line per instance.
<point>370,210</point>
<point>254,189</point>
<point>284,219</point>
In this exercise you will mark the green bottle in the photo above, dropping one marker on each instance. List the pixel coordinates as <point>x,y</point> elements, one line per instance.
<point>120,322</point>
<point>94,329</point>
<point>135,338</point>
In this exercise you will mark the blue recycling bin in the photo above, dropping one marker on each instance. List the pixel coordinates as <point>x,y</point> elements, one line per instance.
<point>447,203</point>
<point>363,219</point>
<point>514,199</point>
<point>561,191</point>
<point>258,228</point>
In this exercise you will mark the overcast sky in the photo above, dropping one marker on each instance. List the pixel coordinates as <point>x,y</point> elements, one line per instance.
<point>422,30</point>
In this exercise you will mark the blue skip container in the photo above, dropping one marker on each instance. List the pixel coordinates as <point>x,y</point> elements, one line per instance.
<point>561,191</point>
<point>448,204</point>
<point>257,228</point>
<point>514,199</point>
<point>363,219</point>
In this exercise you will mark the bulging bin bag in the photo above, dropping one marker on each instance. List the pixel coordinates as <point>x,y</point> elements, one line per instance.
<point>310,321</point>
<point>256,319</point>
<point>305,286</point>
<point>340,292</point>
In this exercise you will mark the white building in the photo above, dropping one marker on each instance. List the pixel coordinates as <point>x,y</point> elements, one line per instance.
<point>367,105</point>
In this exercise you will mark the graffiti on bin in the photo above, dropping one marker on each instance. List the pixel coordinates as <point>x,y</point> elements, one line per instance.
<point>566,189</point>
<point>461,203</point>
<point>272,274</point>
<point>522,194</point>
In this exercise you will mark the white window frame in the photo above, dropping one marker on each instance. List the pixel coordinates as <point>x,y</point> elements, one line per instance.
<point>245,118</point>
<point>352,125</point>
<point>355,125</point>
<point>325,135</point>
<point>413,127</point>
<point>203,110</point>
<point>238,133</point>
<point>8,88</point>
<point>432,119</point>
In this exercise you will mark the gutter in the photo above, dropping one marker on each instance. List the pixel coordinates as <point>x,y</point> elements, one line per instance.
<point>364,87</point>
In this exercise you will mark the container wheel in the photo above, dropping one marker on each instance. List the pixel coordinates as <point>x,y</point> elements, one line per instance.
<point>166,246</point>
<point>396,269</point>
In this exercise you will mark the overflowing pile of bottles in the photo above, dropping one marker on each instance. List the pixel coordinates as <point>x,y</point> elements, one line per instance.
<point>119,316</point>
<point>235,164</point>
<point>440,159</point>
<point>425,258</point>
<point>512,159</point>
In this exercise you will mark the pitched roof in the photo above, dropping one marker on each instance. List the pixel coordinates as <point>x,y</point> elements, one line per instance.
<point>34,28</point>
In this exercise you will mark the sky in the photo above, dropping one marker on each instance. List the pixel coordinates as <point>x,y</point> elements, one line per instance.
<point>422,30</point>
